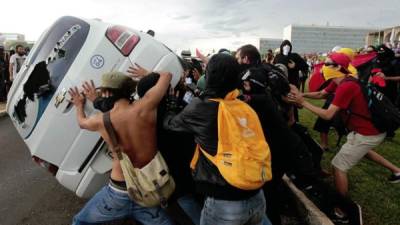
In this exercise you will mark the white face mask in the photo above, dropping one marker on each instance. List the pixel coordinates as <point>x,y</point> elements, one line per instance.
<point>286,49</point>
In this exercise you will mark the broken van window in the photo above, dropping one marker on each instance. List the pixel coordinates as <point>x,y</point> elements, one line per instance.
<point>52,58</point>
<point>39,77</point>
<point>36,83</point>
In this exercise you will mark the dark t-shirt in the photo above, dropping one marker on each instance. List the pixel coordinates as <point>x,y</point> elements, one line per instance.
<point>349,97</point>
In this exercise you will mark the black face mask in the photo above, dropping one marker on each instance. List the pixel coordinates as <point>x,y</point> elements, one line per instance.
<point>20,54</point>
<point>104,104</point>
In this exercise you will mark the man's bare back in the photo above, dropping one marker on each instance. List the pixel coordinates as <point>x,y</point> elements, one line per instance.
<point>136,131</point>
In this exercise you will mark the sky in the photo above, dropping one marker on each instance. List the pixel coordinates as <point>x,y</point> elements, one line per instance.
<point>203,24</point>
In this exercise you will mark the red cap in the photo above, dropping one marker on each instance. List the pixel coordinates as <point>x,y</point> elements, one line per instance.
<point>376,70</point>
<point>341,59</point>
<point>377,80</point>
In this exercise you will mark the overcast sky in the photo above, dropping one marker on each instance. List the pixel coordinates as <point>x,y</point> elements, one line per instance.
<point>205,24</point>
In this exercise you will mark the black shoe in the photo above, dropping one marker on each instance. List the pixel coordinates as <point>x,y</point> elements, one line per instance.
<point>326,149</point>
<point>339,218</point>
<point>355,215</point>
<point>394,178</point>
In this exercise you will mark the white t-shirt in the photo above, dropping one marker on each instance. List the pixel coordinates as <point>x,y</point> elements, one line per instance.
<point>17,62</point>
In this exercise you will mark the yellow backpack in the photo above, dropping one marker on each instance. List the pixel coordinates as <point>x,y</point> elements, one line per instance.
<point>243,157</point>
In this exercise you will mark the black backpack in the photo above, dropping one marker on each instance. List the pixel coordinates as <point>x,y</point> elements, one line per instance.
<point>275,82</point>
<point>384,114</point>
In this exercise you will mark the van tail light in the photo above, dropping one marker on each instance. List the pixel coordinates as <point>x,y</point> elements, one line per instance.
<point>50,167</point>
<point>122,38</point>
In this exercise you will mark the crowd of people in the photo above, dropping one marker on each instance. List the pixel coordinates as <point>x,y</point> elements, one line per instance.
<point>184,127</point>
<point>181,154</point>
<point>10,64</point>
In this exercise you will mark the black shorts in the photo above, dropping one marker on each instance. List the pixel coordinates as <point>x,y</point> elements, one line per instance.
<point>322,125</point>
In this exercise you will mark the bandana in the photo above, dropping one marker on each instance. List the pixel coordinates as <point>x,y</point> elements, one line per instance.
<point>330,73</point>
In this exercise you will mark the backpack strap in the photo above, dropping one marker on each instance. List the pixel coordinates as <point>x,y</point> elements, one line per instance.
<point>345,123</point>
<point>111,132</point>
<point>195,157</point>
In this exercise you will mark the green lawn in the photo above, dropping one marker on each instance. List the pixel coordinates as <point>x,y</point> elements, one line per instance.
<point>379,199</point>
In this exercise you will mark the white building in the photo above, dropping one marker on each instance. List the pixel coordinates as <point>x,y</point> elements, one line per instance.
<point>269,43</point>
<point>11,37</point>
<point>388,35</point>
<point>318,39</point>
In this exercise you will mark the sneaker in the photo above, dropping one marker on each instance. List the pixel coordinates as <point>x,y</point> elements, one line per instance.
<point>339,218</point>
<point>355,215</point>
<point>394,178</point>
<point>326,149</point>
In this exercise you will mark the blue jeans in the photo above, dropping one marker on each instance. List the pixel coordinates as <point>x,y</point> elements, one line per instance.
<point>191,208</point>
<point>245,212</point>
<point>266,220</point>
<point>110,204</point>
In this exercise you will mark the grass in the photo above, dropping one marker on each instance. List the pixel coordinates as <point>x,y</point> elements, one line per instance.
<point>368,185</point>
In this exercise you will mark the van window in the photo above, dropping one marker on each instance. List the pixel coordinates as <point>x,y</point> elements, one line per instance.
<point>63,42</point>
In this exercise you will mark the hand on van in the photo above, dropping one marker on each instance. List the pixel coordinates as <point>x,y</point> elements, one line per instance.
<point>137,72</point>
<point>77,98</point>
<point>89,90</point>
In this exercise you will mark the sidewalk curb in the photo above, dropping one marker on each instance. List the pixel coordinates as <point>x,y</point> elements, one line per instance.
<point>313,215</point>
<point>3,113</point>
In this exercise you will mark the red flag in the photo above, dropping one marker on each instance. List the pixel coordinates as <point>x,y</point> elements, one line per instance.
<point>362,59</point>
<point>316,79</point>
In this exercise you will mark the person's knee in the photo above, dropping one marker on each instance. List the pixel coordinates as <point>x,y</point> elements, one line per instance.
<point>344,160</point>
<point>338,171</point>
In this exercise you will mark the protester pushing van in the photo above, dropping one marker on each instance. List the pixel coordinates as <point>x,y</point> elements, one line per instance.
<point>69,52</point>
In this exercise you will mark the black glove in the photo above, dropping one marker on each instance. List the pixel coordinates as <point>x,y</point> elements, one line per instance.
<point>244,97</point>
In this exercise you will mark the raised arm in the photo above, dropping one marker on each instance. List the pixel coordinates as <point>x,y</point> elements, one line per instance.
<point>316,95</point>
<point>296,97</point>
<point>394,78</point>
<point>153,96</point>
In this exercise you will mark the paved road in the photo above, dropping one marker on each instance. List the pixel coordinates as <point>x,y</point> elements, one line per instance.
<point>29,195</point>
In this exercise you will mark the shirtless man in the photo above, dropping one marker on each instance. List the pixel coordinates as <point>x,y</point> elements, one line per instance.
<point>135,125</point>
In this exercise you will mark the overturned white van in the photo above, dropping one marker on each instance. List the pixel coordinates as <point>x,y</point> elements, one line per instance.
<point>71,51</point>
